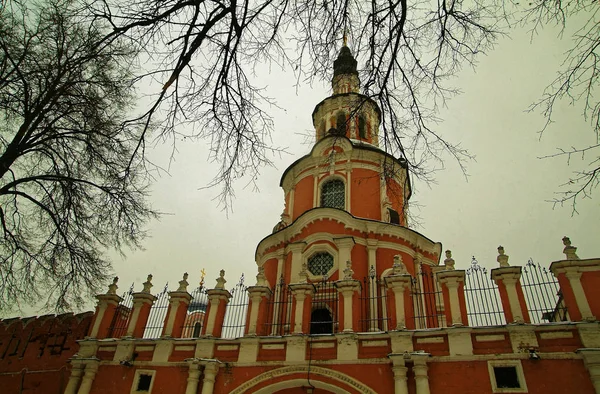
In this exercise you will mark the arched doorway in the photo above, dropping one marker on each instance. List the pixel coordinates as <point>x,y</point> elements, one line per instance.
<point>301,386</point>
<point>293,380</point>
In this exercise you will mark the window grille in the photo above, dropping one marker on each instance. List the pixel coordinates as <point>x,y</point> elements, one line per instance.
<point>333,194</point>
<point>320,263</point>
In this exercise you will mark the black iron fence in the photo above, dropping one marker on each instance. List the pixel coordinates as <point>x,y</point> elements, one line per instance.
<point>120,321</point>
<point>373,303</point>
<point>542,294</point>
<point>196,311</point>
<point>158,313</point>
<point>324,308</point>
<point>484,307</point>
<point>427,300</point>
<point>235,313</point>
<point>280,310</point>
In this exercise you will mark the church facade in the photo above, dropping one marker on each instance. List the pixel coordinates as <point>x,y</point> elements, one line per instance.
<point>348,299</point>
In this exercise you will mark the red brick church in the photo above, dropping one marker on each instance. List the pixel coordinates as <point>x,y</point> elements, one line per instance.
<point>347,299</point>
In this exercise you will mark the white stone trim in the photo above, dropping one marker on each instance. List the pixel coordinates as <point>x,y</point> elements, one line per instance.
<point>296,264</point>
<point>439,339</point>
<point>374,343</point>
<point>490,338</point>
<point>273,346</point>
<point>136,379</point>
<point>574,277</point>
<point>322,345</point>
<point>507,363</point>
<point>315,372</point>
<point>331,177</point>
<point>416,240</point>
<point>289,384</point>
<point>313,163</point>
<point>321,248</point>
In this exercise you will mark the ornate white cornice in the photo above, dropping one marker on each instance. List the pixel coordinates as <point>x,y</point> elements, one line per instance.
<point>418,241</point>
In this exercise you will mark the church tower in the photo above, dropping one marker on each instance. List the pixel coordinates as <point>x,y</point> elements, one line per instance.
<point>345,208</point>
<point>343,263</point>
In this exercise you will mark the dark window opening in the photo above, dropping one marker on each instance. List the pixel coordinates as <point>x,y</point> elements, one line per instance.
<point>340,123</point>
<point>362,127</point>
<point>333,194</point>
<point>394,216</point>
<point>197,328</point>
<point>321,321</point>
<point>144,382</point>
<point>506,378</point>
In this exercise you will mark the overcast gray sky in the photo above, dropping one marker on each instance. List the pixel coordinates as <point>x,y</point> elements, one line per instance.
<point>503,201</point>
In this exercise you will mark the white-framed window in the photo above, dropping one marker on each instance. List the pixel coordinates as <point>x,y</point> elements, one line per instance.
<point>318,257</point>
<point>333,194</point>
<point>506,376</point>
<point>143,381</point>
<point>320,263</point>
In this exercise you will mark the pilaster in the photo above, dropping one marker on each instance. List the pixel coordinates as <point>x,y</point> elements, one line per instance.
<point>420,370</point>
<point>142,303</point>
<point>258,297</point>
<point>105,311</point>
<point>399,369</point>
<point>175,319</point>
<point>302,293</point>
<point>511,294</point>
<point>211,367</point>
<point>579,281</point>
<point>91,367</point>
<point>459,341</point>
<point>193,376</point>
<point>372,269</point>
<point>591,359</point>
<point>344,246</point>
<point>347,346</point>
<point>295,249</point>
<point>348,289</point>
<point>217,305</point>
<point>77,368</point>
<point>400,286</point>
<point>452,282</point>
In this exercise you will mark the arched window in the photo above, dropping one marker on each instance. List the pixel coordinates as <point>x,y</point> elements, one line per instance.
<point>197,330</point>
<point>320,263</point>
<point>321,321</point>
<point>333,194</point>
<point>362,127</point>
<point>340,123</point>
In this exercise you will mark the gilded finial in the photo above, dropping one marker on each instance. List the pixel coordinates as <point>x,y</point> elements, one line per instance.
<point>202,275</point>
<point>345,37</point>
